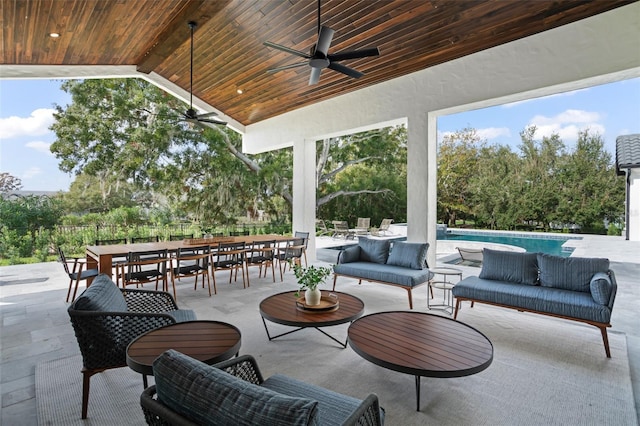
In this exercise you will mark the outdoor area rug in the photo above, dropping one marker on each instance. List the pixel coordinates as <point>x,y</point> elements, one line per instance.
<point>546,371</point>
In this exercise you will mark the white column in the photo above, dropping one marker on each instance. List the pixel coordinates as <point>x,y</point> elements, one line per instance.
<point>304,192</point>
<point>421,182</point>
<point>633,220</point>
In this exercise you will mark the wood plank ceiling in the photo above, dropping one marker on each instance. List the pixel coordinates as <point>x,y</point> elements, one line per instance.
<point>229,51</point>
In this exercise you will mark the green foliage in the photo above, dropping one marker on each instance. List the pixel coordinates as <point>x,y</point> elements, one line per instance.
<point>310,277</point>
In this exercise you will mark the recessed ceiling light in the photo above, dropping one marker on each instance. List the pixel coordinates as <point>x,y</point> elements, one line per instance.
<point>54,35</point>
<point>239,91</point>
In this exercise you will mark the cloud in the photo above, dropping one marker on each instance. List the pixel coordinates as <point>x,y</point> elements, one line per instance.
<point>36,124</point>
<point>40,146</point>
<point>493,132</point>
<point>31,172</point>
<point>568,124</point>
<point>486,133</point>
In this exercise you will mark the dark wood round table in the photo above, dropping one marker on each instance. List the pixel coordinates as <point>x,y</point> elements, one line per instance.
<point>281,309</point>
<point>420,344</point>
<point>206,341</point>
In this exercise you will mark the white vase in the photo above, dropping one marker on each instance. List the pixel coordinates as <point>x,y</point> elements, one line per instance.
<point>312,297</point>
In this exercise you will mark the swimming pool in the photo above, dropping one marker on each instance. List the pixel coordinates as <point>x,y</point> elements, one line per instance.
<point>549,244</point>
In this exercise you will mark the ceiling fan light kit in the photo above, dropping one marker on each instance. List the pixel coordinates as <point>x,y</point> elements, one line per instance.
<point>319,57</point>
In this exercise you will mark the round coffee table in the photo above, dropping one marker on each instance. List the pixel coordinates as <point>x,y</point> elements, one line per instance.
<point>420,344</point>
<point>281,309</point>
<point>206,341</point>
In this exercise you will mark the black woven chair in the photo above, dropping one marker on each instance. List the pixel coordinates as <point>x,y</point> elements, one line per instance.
<point>106,319</point>
<point>180,237</point>
<point>262,253</point>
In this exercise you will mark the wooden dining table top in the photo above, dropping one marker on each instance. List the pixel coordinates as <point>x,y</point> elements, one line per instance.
<point>102,256</point>
<point>172,246</point>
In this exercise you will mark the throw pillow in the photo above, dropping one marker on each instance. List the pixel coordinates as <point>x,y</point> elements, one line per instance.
<point>511,266</point>
<point>103,295</point>
<point>570,273</point>
<point>601,288</point>
<point>350,254</point>
<point>210,396</point>
<point>408,255</point>
<point>375,251</point>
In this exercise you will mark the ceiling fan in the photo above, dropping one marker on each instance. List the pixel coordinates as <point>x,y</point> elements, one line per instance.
<point>190,115</point>
<point>319,58</point>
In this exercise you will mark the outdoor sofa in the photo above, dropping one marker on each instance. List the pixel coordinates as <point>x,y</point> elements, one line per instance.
<point>402,265</point>
<point>573,288</point>
<point>233,392</point>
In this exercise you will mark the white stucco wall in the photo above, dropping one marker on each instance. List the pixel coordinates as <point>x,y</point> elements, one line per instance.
<point>633,221</point>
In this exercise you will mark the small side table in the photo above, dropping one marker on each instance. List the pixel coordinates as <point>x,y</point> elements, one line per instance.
<point>445,285</point>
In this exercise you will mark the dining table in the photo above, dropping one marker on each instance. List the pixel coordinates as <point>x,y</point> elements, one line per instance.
<point>101,257</point>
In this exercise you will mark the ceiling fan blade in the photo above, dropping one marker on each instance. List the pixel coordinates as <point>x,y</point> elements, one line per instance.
<point>286,67</point>
<point>354,54</point>
<point>345,70</point>
<point>207,114</point>
<point>286,49</point>
<point>213,121</point>
<point>324,40</point>
<point>315,76</point>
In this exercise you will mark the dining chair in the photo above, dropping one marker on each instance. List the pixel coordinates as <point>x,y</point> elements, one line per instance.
<point>192,262</point>
<point>111,241</point>
<point>305,235</point>
<point>154,239</point>
<point>144,267</point>
<point>115,260</point>
<point>180,237</point>
<point>76,272</point>
<point>239,233</point>
<point>292,252</point>
<point>261,254</point>
<point>230,257</point>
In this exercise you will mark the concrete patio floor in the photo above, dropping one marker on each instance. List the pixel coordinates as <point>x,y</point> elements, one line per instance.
<point>35,327</point>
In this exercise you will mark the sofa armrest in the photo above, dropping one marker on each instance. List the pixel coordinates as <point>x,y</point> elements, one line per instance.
<point>149,301</point>
<point>350,254</point>
<point>156,413</point>
<point>368,413</point>
<point>244,367</point>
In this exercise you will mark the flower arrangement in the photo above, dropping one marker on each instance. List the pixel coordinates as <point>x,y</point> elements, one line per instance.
<point>310,277</point>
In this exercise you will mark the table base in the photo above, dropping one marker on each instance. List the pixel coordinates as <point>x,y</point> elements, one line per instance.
<point>343,345</point>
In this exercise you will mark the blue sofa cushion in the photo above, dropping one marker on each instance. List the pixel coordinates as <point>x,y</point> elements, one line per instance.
<point>210,396</point>
<point>102,295</point>
<point>405,277</point>
<point>563,302</point>
<point>601,288</point>
<point>333,408</point>
<point>510,266</point>
<point>570,273</point>
<point>409,255</point>
<point>350,254</point>
<point>375,251</point>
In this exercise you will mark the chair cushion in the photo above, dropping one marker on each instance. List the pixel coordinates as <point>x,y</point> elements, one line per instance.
<point>405,277</point>
<point>601,288</point>
<point>510,266</point>
<point>208,395</point>
<point>570,273</point>
<point>103,295</point>
<point>375,251</point>
<point>183,315</point>
<point>408,255</point>
<point>333,408</point>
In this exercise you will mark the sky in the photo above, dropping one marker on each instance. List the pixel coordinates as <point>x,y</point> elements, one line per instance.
<point>612,110</point>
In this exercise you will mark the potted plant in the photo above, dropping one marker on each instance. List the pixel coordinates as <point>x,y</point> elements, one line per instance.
<point>309,279</point>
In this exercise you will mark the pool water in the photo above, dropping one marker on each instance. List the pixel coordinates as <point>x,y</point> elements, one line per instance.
<point>548,245</point>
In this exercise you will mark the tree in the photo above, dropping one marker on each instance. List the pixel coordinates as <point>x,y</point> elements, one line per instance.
<point>363,175</point>
<point>99,194</point>
<point>457,165</point>
<point>9,183</point>
<point>590,192</point>
<point>125,131</point>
